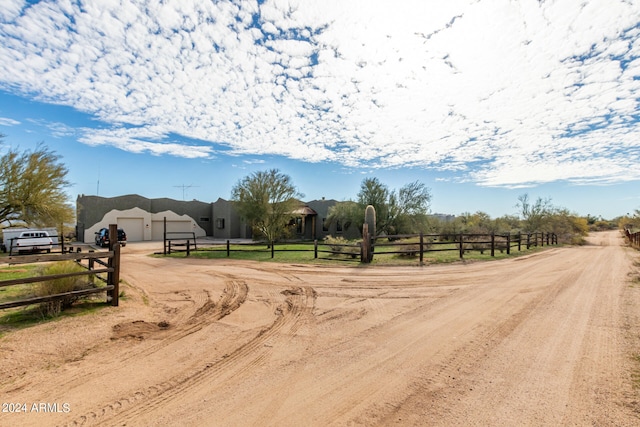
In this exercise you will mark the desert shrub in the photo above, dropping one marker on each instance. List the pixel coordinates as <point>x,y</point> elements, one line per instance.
<point>337,245</point>
<point>409,247</point>
<point>58,286</point>
<point>501,243</point>
<point>478,243</point>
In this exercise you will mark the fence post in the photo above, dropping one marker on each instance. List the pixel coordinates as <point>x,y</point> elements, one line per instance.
<point>365,247</point>
<point>228,248</point>
<point>272,250</point>
<point>461,245</point>
<point>164,237</point>
<point>421,247</point>
<point>114,262</point>
<point>61,238</point>
<point>493,244</point>
<point>115,298</point>
<point>315,249</point>
<point>528,240</point>
<point>188,248</point>
<point>509,243</point>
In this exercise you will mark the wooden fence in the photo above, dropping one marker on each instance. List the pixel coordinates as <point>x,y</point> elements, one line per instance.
<point>407,244</point>
<point>317,247</point>
<point>462,243</point>
<point>95,266</point>
<point>634,238</point>
<point>179,241</point>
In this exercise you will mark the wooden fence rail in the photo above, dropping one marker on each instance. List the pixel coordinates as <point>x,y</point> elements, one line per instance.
<point>464,242</point>
<point>634,238</point>
<point>179,241</point>
<point>111,268</point>
<point>406,244</point>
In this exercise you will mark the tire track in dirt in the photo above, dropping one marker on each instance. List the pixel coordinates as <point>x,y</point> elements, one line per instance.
<point>244,359</point>
<point>234,295</point>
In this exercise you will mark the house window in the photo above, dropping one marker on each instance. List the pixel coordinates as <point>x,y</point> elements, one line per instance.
<point>204,219</point>
<point>325,226</point>
<point>220,223</point>
<point>339,226</point>
<point>299,225</point>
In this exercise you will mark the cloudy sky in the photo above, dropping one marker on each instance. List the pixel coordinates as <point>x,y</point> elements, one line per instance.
<point>482,100</point>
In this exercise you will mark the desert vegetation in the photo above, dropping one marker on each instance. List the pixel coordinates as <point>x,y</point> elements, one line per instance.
<point>61,285</point>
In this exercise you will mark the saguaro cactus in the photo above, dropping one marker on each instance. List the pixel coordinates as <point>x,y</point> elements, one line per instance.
<point>370,220</point>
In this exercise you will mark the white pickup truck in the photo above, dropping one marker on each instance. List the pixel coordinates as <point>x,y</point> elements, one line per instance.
<point>32,241</point>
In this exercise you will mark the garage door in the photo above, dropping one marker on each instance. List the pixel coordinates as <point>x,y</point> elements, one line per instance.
<point>134,227</point>
<point>157,228</point>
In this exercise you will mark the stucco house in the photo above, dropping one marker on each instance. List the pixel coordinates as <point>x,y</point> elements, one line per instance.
<point>143,219</point>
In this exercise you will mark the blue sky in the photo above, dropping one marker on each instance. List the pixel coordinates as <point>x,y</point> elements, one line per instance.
<point>480,100</point>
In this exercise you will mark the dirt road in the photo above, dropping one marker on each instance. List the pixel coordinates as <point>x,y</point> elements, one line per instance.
<point>542,340</point>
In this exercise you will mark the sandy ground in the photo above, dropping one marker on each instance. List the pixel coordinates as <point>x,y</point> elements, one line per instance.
<point>547,339</point>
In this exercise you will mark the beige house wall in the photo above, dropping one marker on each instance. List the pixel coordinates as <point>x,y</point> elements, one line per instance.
<point>143,225</point>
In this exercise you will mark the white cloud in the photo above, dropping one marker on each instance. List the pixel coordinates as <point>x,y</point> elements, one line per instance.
<point>503,93</point>
<point>5,121</point>
<point>11,9</point>
<point>143,140</point>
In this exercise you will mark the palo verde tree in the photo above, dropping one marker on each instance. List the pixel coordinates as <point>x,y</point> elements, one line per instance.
<point>534,214</point>
<point>542,216</point>
<point>266,200</point>
<point>31,188</point>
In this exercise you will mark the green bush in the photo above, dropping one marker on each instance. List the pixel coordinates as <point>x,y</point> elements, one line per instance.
<point>336,245</point>
<point>62,285</point>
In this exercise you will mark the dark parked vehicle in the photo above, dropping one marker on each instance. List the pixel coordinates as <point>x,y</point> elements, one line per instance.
<point>102,237</point>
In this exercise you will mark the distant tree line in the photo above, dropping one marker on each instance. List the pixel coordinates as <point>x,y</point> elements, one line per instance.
<point>533,216</point>
<point>630,222</point>
<point>267,200</point>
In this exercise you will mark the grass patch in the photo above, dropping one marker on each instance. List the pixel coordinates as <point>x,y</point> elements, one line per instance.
<point>11,293</point>
<point>291,252</point>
